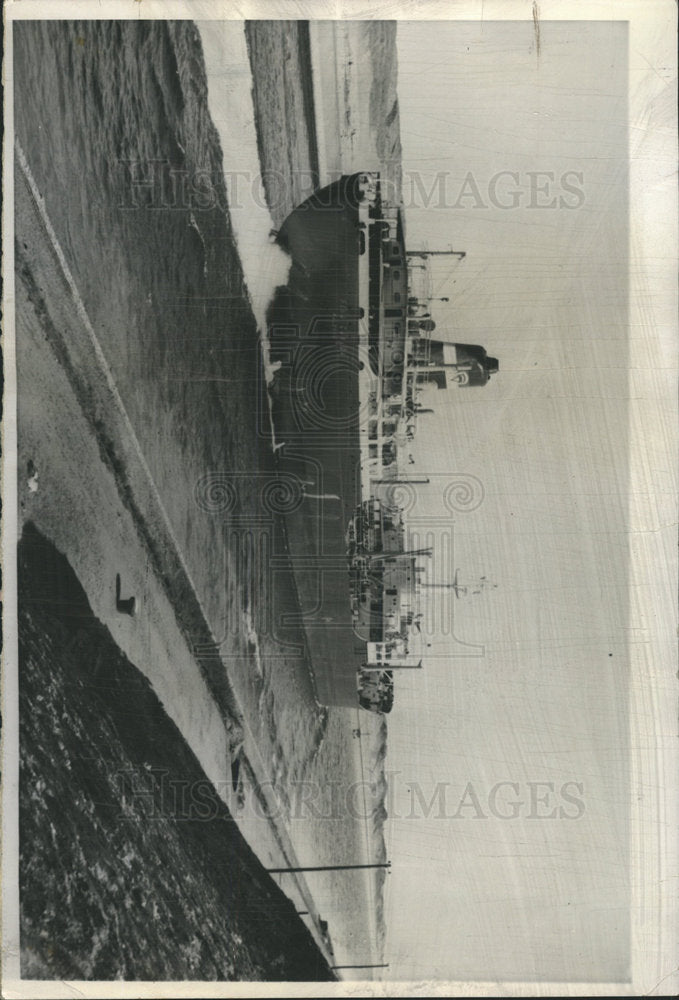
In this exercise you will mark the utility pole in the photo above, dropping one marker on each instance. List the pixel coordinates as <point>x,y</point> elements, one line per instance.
<point>385,965</point>
<point>326,868</point>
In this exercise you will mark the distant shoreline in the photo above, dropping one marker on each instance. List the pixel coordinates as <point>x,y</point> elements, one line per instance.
<point>285,112</point>
<point>306,76</point>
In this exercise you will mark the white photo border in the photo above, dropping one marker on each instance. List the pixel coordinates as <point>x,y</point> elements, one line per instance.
<point>653,439</point>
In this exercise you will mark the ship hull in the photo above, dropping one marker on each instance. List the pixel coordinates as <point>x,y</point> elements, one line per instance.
<point>314,336</point>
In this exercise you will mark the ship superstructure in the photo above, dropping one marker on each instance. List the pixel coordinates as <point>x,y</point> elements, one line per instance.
<point>385,597</point>
<point>354,349</point>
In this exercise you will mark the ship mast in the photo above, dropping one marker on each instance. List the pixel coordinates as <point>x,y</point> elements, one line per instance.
<point>402,479</point>
<point>396,556</point>
<point>459,588</point>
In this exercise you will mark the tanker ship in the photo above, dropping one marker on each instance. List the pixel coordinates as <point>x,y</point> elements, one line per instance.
<point>352,348</point>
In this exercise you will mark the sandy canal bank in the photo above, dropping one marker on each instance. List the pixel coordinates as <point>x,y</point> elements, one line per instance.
<point>84,485</point>
<point>139,380</point>
<point>177,894</point>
